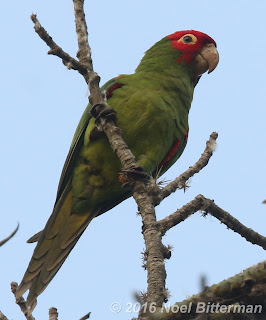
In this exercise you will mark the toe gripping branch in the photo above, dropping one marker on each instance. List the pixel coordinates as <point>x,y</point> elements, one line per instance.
<point>100,111</point>
<point>127,176</point>
<point>102,114</point>
<point>136,173</point>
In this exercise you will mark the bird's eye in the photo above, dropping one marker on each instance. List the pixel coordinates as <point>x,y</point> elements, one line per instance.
<point>187,39</point>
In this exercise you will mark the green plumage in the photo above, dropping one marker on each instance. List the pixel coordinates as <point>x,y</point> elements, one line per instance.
<point>152,108</point>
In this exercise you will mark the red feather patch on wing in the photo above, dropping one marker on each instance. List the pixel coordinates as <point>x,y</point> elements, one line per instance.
<point>172,151</point>
<point>109,92</point>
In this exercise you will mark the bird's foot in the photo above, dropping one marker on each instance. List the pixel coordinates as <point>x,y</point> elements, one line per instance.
<point>134,173</point>
<point>99,111</point>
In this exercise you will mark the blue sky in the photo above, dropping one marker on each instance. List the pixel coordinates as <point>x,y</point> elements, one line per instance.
<point>41,103</point>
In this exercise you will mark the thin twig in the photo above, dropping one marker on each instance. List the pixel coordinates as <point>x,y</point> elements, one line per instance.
<point>67,60</point>
<point>203,282</point>
<point>84,54</point>
<point>180,182</point>
<point>208,206</point>
<point>84,51</point>
<point>232,223</point>
<point>21,302</point>
<point>86,316</point>
<point>84,67</point>
<point>9,237</point>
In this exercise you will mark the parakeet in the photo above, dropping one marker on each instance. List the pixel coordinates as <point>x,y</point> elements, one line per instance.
<point>152,108</point>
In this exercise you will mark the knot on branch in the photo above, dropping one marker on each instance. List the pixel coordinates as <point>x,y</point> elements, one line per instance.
<point>203,203</point>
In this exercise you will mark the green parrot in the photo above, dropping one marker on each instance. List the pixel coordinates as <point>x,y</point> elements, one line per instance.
<point>152,108</point>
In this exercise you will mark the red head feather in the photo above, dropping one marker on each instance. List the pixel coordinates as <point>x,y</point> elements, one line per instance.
<point>189,43</point>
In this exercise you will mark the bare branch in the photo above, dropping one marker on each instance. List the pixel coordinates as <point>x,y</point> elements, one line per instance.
<point>180,182</point>
<point>67,60</point>
<point>10,236</point>
<point>208,206</point>
<point>245,288</point>
<point>156,273</point>
<point>97,98</point>
<point>232,223</point>
<point>21,302</point>
<point>84,51</point>
<point>152,238</point>
<point>53,314</point>
<point>84,67</point>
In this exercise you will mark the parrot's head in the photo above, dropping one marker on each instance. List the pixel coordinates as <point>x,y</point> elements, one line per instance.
<point>195,49</point>
<point>191,51</point>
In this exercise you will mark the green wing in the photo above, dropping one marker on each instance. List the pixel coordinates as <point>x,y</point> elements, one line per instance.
<point>77,142</point>
<point>75,147</point>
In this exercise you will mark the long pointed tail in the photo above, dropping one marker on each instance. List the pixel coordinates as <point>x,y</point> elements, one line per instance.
<point>58,238</point>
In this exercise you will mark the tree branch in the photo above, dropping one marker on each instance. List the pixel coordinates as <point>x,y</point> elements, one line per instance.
<point>2,316</point>
<point>86,316</point>
<point>10,236</point>
<point>245,288</point>
<point>21,302</point>
<point>208,206</point>
<point>67,60</point>
<point>180,182</point>
<point>155,261</point>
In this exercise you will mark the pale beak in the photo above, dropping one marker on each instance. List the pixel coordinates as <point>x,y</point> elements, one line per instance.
<point>207,59</point>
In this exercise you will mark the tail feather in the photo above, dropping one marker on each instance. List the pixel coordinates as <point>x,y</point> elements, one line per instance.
<point>40,251</point>
<point>35,237</point>
<point>32,305</point>
<point>35,265</point>
<point>67,235</point>
<point>32,273</point>
<point>58,238</point>
<point>39,283</point>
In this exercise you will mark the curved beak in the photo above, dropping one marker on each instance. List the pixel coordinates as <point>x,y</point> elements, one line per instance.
<point>211,55</point>
<point>207,59</point>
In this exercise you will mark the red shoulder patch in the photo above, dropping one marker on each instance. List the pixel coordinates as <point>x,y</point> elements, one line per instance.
<point>109,92</point>
<point>172,151</point>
